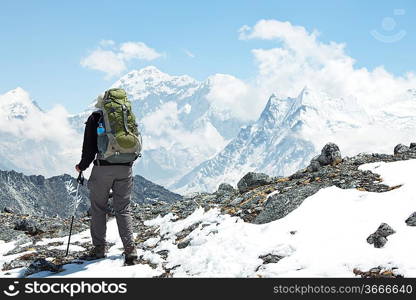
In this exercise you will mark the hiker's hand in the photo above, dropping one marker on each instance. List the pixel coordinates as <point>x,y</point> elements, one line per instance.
<point>77,168</point>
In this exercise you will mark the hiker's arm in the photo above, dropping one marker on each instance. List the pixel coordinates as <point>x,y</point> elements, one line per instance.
<point>89,147</point>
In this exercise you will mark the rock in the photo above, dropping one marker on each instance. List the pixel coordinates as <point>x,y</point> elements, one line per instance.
<point>281,204</point>
<point>411,220</point>
<point>181,236</point>
<point>330,155</point>
<point>163,253</point>
<point>385,230</point>
<point>401,149</point>
<point>184,244</point>
<point>9,234</point>
<point>412,146</point>
<point>314,165</point>
<point>7,209</point>
<point>16,263</point>
<point>379,237</point>
<point>252,180</point>
<point>224,194</point>
<point>377,241</point>
<point>225,188</point>
<point>40,265</point>
<point>270,258</point>
<point>236,201</point>
<point>29,226</point>
<point>378,272</point>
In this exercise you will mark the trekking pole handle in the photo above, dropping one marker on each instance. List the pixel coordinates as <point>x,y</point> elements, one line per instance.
<point>80,178</point>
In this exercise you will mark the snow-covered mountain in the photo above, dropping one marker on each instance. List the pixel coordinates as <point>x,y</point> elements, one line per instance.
<point>290,131</point>
<point>33,141</point>
<point>180,127</point>
<point>193,144</point>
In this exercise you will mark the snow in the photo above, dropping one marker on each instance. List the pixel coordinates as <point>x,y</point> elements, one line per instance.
<point>176,121</point>
<point>195,129</point>
<point>23,125</point>
<point>324,237</point>
<point>291,131</point>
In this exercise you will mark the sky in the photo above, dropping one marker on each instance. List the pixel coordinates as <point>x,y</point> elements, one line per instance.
<point>55,49</point>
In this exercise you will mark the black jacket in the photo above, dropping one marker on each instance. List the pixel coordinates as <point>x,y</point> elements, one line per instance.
<point>89,146</point>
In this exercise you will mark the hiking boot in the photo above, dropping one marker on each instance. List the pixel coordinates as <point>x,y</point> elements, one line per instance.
<point>96,253</point>
<point>130,254</point>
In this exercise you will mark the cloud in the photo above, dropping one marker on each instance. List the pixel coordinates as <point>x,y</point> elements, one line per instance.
<point>114,61</point>
<point>297,58</point>
<point>42,142</point>
<point>164,129</point>
<point>300,60</point>
<point>139,50</point>
<point>231,94</point>
<point>105,61</point>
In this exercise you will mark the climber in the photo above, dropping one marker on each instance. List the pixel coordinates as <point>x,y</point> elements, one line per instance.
<point>112,142</point>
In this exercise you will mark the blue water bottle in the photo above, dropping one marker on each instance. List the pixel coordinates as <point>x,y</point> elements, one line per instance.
<point>100,129</point>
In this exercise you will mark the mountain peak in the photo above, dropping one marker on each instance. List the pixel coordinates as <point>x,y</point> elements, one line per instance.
<point>16,96</point>
<point>18,93</point>
<point>150,80</point>
<point>150,70</point>
<point>307,92</point>
<point>151,75</point>
<point>147,73</point>
<point>16,104</point>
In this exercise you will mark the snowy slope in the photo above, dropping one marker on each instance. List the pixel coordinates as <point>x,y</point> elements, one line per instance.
<point>324,237</point>
<point>176,121</point>
<point>290,131</point>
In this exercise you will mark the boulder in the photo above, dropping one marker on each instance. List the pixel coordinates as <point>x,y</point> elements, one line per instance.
<point>411,220</point>
<point>401,149</point>
<point>379,237</point>
<point>29,226</point>
<point>377,241</point>
<point>225,188</point>
<point>40,265</point>
<point>252,180</point>
<point>330,155</point>
<point>280,205</point>
<point>7,209</point>
<point>270,258</point>
<point>385,230</point>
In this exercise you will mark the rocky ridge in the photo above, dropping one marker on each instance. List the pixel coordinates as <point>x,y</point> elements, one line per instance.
<point>37,195</point>
<point>259,199</point>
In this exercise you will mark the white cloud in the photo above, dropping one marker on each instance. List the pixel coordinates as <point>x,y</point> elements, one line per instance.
<point>114,61</point>
<point>231,94</point>
<point>300,60</point>
<point>105,61</point>
<point>139,50</point>
<point>42,142</point>
<point>164,129</point>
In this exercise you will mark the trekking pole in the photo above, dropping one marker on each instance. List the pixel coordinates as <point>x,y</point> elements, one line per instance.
<point>80,181</point>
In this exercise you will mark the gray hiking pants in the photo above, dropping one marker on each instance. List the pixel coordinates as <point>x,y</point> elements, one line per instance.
<point>120,180</point>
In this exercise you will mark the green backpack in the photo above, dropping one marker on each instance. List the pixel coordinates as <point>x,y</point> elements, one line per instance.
<point>118,138</point>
